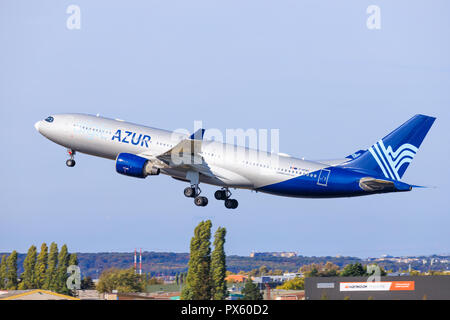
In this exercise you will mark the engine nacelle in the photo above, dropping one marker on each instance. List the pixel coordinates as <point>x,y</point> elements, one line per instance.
<point>134,166</point>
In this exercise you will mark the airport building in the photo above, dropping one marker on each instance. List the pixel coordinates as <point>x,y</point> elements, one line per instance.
<point>387,288</point>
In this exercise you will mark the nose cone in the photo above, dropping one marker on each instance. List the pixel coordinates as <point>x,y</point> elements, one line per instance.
<point>37,125</point>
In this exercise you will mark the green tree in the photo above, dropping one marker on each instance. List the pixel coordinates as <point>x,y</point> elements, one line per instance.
<point>353,270</point>
<point>310,270</point>
<point>329,270</point>
<point>263,270</point>
<point>122,280</point>
<point>297,283</point>
<point>277,272</point>
<point>50,274</point>
<point>11,272</point>
<point>28,276</point>
<point>3,273</point>
<point>41,267</point>
<point>87,283</point>
<point>61,271</point>
<point>218,266</point>
<point>252,273</point>
<point>198,281</point>
<point>73,259</point>
<point>251,291</point>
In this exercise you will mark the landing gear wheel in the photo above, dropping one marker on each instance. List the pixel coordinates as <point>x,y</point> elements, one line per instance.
<point>70,163</point>
<point>201,201</point>
<point>220,194</point>
<point>189,192</point>
<point>231,203</point>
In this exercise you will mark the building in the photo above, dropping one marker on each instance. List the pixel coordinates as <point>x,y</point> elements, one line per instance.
<point>292,275</point>
<point>88,295</point>
<point>36,294</point>
<point>270,279</point>
<point>288,294</point>
<point>273,254</point>
<point>236,278</point>
<point>388,288</point>
<point>142,296</point>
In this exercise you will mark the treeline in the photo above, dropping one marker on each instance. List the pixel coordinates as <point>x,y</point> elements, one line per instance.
<point>46,270</point>
<point>167,263</point>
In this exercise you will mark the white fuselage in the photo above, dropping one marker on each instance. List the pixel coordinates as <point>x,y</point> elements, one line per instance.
<point>231,166</point>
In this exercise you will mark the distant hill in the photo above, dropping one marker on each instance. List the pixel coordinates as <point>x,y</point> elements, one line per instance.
<point>169,263</point>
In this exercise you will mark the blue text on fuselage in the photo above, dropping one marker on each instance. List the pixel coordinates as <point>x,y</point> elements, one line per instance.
<point>131,137</point>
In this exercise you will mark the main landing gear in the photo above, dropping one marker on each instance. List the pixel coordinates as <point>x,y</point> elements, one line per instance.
<point>225,194</point>
<point>194,192</point>
<point>71,162</point>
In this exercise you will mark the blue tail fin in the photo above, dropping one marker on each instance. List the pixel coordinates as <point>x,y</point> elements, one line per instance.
<point>391,156</point>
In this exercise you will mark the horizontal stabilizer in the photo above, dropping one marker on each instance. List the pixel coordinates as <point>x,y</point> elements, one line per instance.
<point>379,185</point>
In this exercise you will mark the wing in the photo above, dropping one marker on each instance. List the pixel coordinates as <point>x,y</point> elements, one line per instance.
<point>185,156</point>
<point>335,162</point>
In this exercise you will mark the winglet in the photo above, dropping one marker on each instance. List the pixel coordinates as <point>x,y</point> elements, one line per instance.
<point>197,135</point>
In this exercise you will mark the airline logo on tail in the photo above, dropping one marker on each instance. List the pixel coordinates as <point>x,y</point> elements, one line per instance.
<point>391,161</point>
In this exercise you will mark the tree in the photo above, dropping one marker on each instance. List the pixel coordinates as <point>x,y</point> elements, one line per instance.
<point>252,273</point>
<point>329,270</point>
<point>28,276</point>
<point>3,273</point>
<point>310,270</point>
<point>73,259</point>
<point>50,274</point>
<point>61,271</point>
<point>277,272</point>
<point>41,267</point>
<point>297,283</point>
<point>11,272</point>
<point>198,280</point>
<point>87,283</point>
<point>353,270</point>
<point>251,291</point>
<point>122,280</point>
<point>153,281</point>
<point>218,266</point>
<point>263,270</point>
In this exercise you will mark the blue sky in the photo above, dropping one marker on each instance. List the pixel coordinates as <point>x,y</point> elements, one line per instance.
<point>311,69</point>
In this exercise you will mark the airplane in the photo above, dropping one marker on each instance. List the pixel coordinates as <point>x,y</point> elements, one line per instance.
<point>140,151</point>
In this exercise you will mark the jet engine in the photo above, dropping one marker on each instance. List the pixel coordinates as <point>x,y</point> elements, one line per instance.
<point>135,166</point>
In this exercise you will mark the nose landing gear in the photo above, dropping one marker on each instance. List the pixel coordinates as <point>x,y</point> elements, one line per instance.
<point>71,162</point>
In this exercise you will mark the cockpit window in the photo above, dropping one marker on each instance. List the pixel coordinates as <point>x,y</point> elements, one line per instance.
<point>49,119</point>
